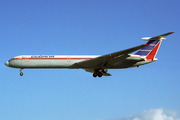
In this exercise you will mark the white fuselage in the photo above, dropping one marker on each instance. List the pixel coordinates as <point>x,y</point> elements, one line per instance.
<point>65,61</point>
<point>46,61</point>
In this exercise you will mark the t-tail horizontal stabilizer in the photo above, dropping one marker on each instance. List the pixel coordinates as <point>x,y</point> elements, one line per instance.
<point>159,37</point>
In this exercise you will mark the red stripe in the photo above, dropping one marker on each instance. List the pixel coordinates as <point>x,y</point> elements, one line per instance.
<point>52,58</point>
<point>152,54</point>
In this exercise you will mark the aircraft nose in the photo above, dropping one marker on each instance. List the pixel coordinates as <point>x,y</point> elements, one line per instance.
<point>7,63</point>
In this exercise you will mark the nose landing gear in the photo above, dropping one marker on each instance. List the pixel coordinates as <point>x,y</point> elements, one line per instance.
<point>21,73</point>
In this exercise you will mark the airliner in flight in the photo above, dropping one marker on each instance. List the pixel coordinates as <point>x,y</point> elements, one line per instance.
<point>98,65</point>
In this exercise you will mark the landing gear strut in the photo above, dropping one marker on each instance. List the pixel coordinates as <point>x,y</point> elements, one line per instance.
<point>21,73</point>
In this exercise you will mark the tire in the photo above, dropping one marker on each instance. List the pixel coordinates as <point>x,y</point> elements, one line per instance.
<point>21,74</point>
<point>100,74</point>
<point>95,74</point>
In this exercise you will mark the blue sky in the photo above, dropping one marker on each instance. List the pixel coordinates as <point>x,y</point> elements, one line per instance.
<point>96,27</point>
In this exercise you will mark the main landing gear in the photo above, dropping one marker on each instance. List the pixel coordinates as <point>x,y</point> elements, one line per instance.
<point>21,73</point>
<point>99,72</point>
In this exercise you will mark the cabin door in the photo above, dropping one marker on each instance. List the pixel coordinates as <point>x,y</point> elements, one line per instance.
<point>68,58</point>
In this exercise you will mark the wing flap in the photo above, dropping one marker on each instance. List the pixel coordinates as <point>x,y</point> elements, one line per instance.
<point>122,57</point>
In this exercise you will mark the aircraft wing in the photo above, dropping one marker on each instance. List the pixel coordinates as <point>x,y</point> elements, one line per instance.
<point>106,60</point>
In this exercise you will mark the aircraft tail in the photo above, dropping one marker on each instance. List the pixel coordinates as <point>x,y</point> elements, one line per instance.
<point>150,51</point>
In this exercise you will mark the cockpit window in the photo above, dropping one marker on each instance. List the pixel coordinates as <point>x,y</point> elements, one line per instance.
<point>11,59</point>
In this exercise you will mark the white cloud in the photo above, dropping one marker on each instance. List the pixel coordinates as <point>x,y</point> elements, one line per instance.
<point>153,114</point>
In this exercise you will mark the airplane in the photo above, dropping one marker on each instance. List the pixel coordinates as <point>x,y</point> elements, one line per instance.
<point>98,65</point>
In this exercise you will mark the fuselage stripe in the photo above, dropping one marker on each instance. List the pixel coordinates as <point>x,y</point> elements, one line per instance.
<point>52,58</point>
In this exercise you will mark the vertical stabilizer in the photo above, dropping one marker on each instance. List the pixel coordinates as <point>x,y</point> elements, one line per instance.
<point>150,51</point>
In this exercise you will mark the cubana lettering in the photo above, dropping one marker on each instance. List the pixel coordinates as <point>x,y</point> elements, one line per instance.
<point>42,56</point>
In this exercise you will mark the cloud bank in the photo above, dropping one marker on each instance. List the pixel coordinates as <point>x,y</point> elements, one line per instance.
<point>153,114</point>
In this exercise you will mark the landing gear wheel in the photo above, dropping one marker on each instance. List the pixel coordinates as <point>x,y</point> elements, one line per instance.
<point>21,73</point>
<point>100,74</point>
<point>95,74</point>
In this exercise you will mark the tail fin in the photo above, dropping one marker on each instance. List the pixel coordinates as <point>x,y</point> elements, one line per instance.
<point>150,51</point>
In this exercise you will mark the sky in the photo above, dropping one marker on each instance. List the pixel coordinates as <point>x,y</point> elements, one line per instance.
<point>94,27</point>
